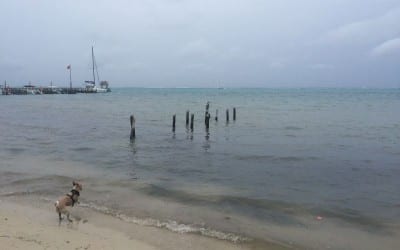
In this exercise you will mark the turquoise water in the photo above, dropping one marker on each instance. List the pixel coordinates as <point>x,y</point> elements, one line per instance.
<point>290,152</point>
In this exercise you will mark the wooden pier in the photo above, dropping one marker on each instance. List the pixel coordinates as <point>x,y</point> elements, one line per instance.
<point>43,90</point>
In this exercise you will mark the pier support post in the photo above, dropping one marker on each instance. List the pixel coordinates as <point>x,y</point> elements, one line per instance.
<point>206,113</point>
<point>227,115</point>
<point>173,122</point>
<point>216,115</point>
<point>187,118</point>
<point>133,132</point>
<point>208,116</point>
<point>191,121</point>
<point>234,114</point>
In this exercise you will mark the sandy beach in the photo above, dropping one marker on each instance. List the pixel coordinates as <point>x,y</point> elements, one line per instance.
<point>25,226</point>
<point>29,228</point>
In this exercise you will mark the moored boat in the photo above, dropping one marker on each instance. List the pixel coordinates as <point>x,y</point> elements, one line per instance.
<point>91,85</point>
<point>32,90</point>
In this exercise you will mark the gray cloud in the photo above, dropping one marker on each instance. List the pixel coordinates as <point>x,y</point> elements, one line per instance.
<point>366,30</point>
<point>391,46</point>
<point>172,43</point>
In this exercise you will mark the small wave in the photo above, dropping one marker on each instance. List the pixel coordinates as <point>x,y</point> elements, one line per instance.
<point>19,193</point>
<point>16,150</point>
<point>292,128</point>
<point>82,149</point>
<point>169,225</point>
<point>41,179</point>
<point>271,158</point>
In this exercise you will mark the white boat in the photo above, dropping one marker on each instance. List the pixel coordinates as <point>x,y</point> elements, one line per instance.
<point>30,90</point>
<point>92,88</point>
<point>54,90</point>
<point>91,85</point>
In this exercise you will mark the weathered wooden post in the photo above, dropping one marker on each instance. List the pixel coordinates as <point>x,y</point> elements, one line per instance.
<point>234,114</point>
<point>208,116</point>
<point>206,113</point>
<point>191,121</point>
<point>133,133</point>
<point>173,122</point>
<point>216,115</point>
<point>187,118</point>
<point>227,115</point>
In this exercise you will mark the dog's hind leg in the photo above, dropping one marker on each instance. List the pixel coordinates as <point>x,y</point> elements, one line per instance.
<point>68,217</point>
<point>59,213</point>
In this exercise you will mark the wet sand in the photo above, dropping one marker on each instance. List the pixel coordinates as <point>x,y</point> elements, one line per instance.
<point>29,226</point>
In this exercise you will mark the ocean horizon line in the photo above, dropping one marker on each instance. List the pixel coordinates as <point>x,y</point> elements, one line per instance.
<point>232,87</point>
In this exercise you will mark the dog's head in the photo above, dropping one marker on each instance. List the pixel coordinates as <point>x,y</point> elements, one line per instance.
<point>76,186</point>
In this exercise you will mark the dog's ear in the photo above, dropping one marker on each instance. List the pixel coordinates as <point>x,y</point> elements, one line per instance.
<point>73,183</point>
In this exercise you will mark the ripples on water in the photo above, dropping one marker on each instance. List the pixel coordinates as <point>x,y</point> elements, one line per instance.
<point>291,151</point>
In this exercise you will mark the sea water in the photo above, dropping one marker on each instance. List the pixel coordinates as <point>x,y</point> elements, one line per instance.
<point>290,154</point>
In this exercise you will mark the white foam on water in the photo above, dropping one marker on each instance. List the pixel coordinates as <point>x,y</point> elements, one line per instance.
<point>171,225</point>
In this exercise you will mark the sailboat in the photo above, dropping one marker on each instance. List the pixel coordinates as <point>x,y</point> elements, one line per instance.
<point>91,85</point>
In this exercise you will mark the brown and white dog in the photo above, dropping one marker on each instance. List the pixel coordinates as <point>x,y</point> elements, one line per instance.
<point>67,200</point>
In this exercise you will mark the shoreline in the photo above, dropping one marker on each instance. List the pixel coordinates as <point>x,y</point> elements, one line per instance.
<point>320,174</point>
<point>34,226</point>
<point>164,223</point>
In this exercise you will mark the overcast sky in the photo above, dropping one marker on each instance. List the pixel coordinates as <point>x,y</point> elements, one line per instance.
<point>202,43</point>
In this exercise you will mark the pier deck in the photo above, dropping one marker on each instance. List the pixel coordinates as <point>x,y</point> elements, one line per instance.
<point>43,90</point>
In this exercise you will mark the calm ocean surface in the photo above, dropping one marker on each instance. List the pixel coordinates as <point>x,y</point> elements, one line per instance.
<point>290,153</point>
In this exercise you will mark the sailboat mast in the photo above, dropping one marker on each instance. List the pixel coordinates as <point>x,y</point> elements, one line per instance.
<point>94,78</point>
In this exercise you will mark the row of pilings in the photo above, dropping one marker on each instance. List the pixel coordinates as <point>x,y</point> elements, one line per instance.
<point>189,120</point>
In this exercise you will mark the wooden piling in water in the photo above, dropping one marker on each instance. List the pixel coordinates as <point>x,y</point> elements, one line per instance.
<point>227,115</point>
<point>216,115</point>
<point>173,122</point>
<point>191,121</point>
<point>187,118</point>
<point>208,116</point>
<point>234,114</point>
<point>133,132</point>
<point>206,113</point>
